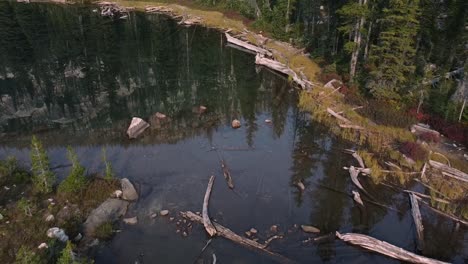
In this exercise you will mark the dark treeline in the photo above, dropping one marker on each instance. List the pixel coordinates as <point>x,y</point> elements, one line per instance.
<point>404,52</point>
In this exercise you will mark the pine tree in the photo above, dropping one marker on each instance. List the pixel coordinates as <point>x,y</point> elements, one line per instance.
<point>393,56</point>
<point>43,178</point>
<point>76,180</point>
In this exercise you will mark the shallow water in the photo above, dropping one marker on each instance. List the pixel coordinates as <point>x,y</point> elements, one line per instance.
<point>74,78</point>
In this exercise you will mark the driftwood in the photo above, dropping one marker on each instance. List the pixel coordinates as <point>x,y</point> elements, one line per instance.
<point>357,198</point>
<point>417,220</point>
<point>158,9</point>
<point>352,127</point>
<point>421,195</point>
<point>423,172</point>
<point>209,227</point>
<point>228,234</point>
<point>359,159</point>
<point>247,46</point>
<point>280,67</point>
<point>385,248</point>
<point>338,116</point>
<point>419,129</point>
<point>449,171</point>
<point>227,174</point>
<point>353,172</point>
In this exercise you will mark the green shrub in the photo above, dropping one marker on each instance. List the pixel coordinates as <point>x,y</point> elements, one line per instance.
<point>43,178</point>
<point>104,231</point>
<point>67,256</point>
<point>27,256</point>
<point>76,181</point>
<point>25,206</point>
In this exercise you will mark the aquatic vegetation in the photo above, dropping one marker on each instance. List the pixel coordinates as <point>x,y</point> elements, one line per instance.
<point>109,174</point>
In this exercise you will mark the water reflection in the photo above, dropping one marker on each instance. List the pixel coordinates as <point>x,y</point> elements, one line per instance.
<point>75,78</point>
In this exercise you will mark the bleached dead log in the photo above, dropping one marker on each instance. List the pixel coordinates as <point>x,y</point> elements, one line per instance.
<point>385,248</point>
<point>359,159</point>
<point>338,116</point>
<point>209,227</point>
<point>280,67</point>
<point>352,127</point>
<point>158,9</point>
<point>353,172</point>
<point>423,172</point>
<point>247,46</point>
<point>419,129</point>
<point>330,83</point>
<point>449,171</point>
<point>417,220</point>
<point>228,234</point>
<point>357,198</point>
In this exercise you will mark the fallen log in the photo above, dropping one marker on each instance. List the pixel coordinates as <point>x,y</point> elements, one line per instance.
<point>417,220</point>
<point>247,46</point>
<point>357,198</point>
<point>458,220</point>
<point>353,172</point>
<point>385,248</point>
<point>227,174</point>
<point>228,234</point>
<point>421,195</point>
<point>280,67</point>
<point>209,227</point>
<point>419,129</point>
<point>423,172</point>
<point>449,171</point>
<point>359,160</point>
<point>338,116</point>
<point>352,127</point>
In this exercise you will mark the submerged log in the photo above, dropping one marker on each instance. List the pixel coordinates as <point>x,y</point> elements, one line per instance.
<point>228,234</point>
<point>247,46</point>
<point>417,220</point>
<point>227,174</point>
<point>280,67</point>
<point>449,171</point>
<point>209,227</point>
<point>385,248</point>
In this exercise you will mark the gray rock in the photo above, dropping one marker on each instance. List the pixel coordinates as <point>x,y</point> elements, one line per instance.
<point>57,233</point>
<point>137,126</point>
<point>109,211</point>
<point>164,212</point>
<point>128,191</point>
<point>131,220</point>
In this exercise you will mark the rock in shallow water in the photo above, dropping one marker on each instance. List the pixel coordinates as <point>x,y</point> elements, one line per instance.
<point>109,211</point>
<point>131,220</point>
<point>128,190</point>
<point>137,126</point>
<point>164,212</point>
<point>236,123</point>
<point>57,233</point>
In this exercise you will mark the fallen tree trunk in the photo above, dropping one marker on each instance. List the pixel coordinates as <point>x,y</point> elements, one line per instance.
<point>449,171</point>
<point>417,220</point>
<point>338,116</point>
<point>357,198</point>
<point>280,67</point>
<point>247,46</point>
<point>228,234</point>
<point>385,248</point>
<point>353,172</point>
<point>209,227</point>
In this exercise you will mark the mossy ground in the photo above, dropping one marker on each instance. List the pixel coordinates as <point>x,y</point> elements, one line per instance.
<point>24,212</point>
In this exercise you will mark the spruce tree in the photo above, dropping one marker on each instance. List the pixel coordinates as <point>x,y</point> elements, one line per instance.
<point>76,180</point>
<point>393,56</point>
<point>43,178</point>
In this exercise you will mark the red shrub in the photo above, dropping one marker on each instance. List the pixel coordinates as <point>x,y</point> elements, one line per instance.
<point>413,150</point>
<point>326,77</point>
<point>421,117</point>
<point>453,131</point>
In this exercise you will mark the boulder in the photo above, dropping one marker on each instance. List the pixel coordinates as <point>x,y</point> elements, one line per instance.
<point>109,211</point>
<point>131,220</point>
<point>129,192</point>
<point>137,126</point>
<point>236,123</point>
<point>57,233</point>
<point>164,212</point>
<point>160,115</point>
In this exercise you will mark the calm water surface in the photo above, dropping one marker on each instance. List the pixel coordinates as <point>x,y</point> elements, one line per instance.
<point>74,78</point>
